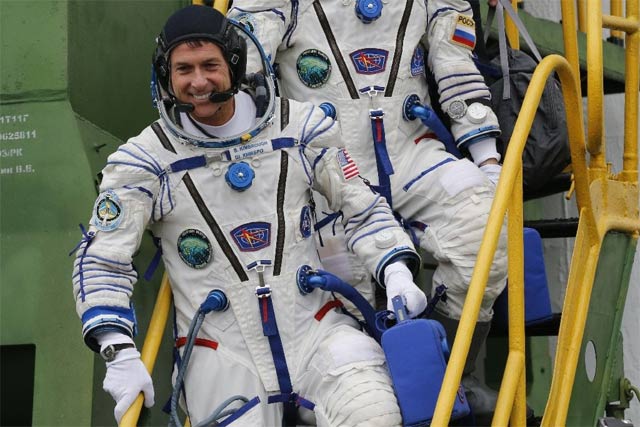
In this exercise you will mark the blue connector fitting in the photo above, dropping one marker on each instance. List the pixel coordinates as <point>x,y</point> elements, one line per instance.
<point>239,176</point>
<point>215,301</point>
<point>368,11</point>
<point>302,277</point>
<point>329,110</point>
<point>407,107</point>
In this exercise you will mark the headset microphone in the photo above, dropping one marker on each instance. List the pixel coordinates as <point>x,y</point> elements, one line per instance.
<point>217,97</point>
<point>184,107</point>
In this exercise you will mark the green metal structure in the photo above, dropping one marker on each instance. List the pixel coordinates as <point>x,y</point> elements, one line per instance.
<point>74,85</point>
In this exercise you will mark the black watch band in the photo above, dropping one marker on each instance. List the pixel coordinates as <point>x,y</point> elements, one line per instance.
<point>110,352</point>
<point>484,101</point>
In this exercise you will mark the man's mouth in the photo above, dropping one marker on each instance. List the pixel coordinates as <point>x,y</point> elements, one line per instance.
<point>202,97</point>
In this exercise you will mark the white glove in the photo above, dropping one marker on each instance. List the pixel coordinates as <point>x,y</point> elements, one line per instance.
<point>399,281</point>
<point>126,376</point>
<point>492,171</point>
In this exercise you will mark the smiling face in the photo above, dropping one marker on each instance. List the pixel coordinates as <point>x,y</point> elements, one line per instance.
<point>197,70</point>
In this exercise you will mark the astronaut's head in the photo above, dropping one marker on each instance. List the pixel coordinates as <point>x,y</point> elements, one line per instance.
<point>198,66</point>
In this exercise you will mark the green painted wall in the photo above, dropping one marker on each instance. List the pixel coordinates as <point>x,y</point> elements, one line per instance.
<point>74,83</point>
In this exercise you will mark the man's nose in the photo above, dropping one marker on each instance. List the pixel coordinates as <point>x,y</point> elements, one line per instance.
<point>199,79</point>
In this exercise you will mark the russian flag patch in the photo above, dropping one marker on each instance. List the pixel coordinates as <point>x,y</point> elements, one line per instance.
<point>464,33</point>
<point>348,165</point>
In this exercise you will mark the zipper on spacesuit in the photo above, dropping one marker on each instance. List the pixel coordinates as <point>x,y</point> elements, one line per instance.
<point>282,184</point>
<point>157,129</point>
<point>335,50</point>
<point>397,55</point>
<point>215,228</point>
<point>284,113</point>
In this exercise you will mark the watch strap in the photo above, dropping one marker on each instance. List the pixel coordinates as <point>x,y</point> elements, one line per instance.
<point>110,351</point>
<point>483,101</point>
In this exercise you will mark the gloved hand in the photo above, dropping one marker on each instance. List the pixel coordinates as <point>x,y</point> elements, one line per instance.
<point>399,281</point>
<point>126,376</point>
<point>492,171</point>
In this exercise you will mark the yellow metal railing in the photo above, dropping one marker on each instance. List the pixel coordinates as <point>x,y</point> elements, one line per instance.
<point>613,199</point>
<point>151,345</point>
<point>509,197</point>
<point>605,203</point>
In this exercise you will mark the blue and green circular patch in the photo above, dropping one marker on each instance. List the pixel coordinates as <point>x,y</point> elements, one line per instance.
<point>194,248</point>
<point>314,68</point>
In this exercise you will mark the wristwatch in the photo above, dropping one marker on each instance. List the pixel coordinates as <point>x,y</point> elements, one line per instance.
<point>457,109</point>
<point>110,352</point>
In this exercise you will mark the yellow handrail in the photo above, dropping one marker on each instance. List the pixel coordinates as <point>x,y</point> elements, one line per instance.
<point>160,314</point>
<point>632,73</point>
<point>613,206</point>
<point>151,345</point>
<point>507,195</point>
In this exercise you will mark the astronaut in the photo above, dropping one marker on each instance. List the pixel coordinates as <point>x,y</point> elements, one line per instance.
<point>365,61</point>
<point>224,180</point>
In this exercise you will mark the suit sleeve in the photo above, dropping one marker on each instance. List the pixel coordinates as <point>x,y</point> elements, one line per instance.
<point>371,229</point>
<point>103,274</point>
<point>269,21</point>
<point>451,38</point>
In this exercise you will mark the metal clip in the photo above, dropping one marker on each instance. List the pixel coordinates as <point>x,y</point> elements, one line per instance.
<point>371,90</point>
<point>376,114</point>
<point>262,290</point>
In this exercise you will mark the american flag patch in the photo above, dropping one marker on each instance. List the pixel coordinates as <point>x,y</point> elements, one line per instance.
<point>349,167</point>
<point>464,33</point>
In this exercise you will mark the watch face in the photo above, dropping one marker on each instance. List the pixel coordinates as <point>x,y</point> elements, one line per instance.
<point>457,109</point>
<point>109,353</point>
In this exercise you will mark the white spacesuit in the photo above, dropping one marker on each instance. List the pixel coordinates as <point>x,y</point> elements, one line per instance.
<point>366,59</point>
<point>235,214</point>
<point>325,52</point>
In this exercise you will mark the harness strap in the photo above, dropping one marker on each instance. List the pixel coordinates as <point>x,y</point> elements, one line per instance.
<point>383,162</point>
<point>155,262</point>
<point>291,398</point>
<point>270,330</point>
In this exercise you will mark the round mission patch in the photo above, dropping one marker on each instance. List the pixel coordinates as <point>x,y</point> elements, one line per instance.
<point>194,248</point>
<point>314,68</point>
<point>107,211</point>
